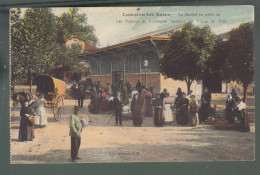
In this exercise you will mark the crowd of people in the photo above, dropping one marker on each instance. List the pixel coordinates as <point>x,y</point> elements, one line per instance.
<point>165,110</point>
<point>184,109</point>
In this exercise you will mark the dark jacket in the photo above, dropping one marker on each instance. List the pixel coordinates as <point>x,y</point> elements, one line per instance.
<point>206,97</point>
<point>117,104</point>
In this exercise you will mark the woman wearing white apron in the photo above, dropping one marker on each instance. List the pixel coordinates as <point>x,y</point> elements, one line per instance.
<point>167,103</point>
<point>39,110</point>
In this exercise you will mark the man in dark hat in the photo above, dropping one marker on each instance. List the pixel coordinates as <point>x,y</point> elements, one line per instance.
<point>81,93</point>
<point>75,133</point>
<point>118,107</point>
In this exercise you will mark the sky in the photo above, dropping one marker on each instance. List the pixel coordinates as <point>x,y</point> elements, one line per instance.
<point>118,24</point>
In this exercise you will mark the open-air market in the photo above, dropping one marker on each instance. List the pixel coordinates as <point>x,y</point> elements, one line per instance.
<point>181,92</point>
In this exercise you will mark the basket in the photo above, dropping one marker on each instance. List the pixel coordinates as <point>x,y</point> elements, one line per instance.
<point>32,120</point>
<point>224,125</point>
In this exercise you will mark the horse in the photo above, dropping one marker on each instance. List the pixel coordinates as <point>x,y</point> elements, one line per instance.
<point>21,97</point>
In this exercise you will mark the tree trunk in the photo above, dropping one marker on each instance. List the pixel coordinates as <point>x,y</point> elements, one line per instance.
<point>188,88</point>
<point>245,93</point>
<point>188,82</point>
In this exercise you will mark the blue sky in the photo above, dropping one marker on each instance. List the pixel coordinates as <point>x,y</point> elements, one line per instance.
<point>111,32</point>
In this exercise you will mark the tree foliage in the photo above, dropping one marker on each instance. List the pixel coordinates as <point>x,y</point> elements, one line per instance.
<point>74,24</point>
<point>15,22</point>
<point>234,58</point>
<point>37,41</point>
<point>241,53</point>
<point>32,42</point>
<point>187,52</point>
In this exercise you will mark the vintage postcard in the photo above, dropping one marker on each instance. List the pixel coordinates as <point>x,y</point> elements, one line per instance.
<point>132,84</point>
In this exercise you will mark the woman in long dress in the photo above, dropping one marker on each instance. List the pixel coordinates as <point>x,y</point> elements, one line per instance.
<point>39,110</point>
<point>184,110</point>
<point>167,103</point>
<point>158,111</point>
<point>26,131</point>
<point>178,105</point>
<point>230,106</point>
<point>136,111</point>
<point>102,98</point>
<point>148,111</point>
<point>94,107</point>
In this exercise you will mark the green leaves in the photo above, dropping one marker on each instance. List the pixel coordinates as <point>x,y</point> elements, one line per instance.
<point>187,52</point>
<point>37,41</point>
<point>75,24</point>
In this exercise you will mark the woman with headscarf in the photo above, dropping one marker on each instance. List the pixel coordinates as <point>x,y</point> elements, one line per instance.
<point>26,131</point>
<point>184,110</point>
<point>39,109</point>
<point>102,101</point>
<point>124,95</point>
<point>204,112</point>
<point>158,111</point>
<point>94,106</point>
<point>136,111</point>
<point>147,96</point>
<point>178,106</point>
<point>230,105</point>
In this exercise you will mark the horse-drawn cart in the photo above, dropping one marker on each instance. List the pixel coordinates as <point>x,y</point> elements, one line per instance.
<point>53,90</point>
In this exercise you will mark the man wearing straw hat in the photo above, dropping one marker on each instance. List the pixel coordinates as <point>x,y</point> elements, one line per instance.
<point>75,132</point>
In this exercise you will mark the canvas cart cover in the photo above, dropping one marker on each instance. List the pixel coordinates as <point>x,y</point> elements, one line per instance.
<point>47,84</point>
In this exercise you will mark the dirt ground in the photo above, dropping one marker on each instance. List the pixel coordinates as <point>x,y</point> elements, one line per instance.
<point>109,143</point>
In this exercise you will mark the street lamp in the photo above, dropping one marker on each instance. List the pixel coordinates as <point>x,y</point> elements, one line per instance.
<point>145,65</point>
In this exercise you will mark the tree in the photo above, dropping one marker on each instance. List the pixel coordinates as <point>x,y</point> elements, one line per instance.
<point>15,23</point>
<point>32,47</point>
<point>37,41</point>
<point>242,55</point>
<point>75,24</point>
<point>63,56</point>
<point>234,58</point>
<point>187,52</point>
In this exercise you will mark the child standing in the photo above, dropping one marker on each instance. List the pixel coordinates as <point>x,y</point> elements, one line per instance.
<point>193,111</point>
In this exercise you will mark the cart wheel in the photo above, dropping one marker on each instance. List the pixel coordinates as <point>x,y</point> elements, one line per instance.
<point>58,107</point>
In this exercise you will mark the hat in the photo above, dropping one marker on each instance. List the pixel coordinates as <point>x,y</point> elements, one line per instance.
<point>76,108</point>
<point>192,96</point>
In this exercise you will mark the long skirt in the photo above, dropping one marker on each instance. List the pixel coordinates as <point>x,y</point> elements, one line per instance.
<point>26,131</point>
<point>41,113</point>
<point>168,113</point>
<point>137,117</point>
<point>229,115</point>
<point>182,116</point>
<point>158,117</point>
<point>204,112</point>
<point>102,106</point>
<point>148,111</point>
<point>94,107</point>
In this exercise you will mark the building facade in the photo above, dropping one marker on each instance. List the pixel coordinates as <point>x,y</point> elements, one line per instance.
<point>125,62</point>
